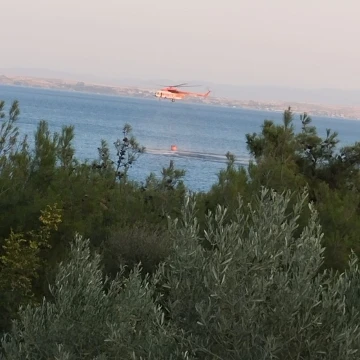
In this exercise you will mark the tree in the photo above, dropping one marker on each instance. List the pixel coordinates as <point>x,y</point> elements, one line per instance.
<point>286,160</point>
<point>21,261</point>
<point>92,318</point>
<point>8,130</point>
<point>260,293</point>
<point>128,151</point>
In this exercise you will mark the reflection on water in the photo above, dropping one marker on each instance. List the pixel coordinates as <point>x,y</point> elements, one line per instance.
<point>220,158</point>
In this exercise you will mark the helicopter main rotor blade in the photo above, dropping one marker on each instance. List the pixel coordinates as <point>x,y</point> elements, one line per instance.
<point>190,85</point>
<point>180,85</point>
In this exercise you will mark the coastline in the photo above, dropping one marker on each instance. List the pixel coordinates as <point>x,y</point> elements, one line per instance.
<point>345,112</point>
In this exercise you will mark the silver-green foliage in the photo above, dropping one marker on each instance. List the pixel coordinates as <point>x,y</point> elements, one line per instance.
<point>85,321</point>
<point>257,294</point>
<point>260,293</point>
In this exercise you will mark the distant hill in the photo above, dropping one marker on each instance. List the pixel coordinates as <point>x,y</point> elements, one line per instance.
<point>67,82</point>
<point>259,93</point>
<point>277,93</point>
<point>236,92</point>
<point>49,74</point>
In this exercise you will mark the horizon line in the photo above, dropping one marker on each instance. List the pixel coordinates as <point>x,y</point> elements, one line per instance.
<point>78,77</point>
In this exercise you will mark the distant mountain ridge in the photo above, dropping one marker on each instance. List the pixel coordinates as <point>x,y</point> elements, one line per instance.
<point>238,92</point>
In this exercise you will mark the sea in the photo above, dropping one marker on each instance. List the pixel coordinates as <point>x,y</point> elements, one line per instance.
<point>202,133</point>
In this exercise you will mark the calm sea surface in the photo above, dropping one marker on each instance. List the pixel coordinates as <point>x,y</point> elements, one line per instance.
<point>202,133</point>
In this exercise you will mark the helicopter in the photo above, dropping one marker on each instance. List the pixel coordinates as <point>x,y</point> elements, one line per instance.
<point>171,92</point>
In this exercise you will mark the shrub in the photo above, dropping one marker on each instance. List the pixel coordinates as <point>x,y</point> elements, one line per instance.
<point>258,294</point>
<point>133,244</point>
<point>86,322</point>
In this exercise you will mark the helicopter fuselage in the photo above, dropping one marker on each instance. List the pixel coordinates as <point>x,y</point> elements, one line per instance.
<point>164,94</point>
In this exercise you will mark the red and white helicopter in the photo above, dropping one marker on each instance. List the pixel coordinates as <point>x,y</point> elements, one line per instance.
<point>173,93</point>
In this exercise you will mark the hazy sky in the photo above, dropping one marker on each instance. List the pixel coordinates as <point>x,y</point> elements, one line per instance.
<point>306,43</point>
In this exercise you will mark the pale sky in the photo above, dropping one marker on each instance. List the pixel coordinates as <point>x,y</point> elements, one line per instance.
<point>302,43</point>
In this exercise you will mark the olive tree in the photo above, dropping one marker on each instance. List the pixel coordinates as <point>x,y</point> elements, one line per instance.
<point>258,292</point>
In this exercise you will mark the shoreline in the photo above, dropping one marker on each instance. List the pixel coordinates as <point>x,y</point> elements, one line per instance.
<point>338,112</point>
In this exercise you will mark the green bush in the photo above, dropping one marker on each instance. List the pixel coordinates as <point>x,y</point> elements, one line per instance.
<point>86,322</point>
<point>133,244</point>
<point>259,294</point>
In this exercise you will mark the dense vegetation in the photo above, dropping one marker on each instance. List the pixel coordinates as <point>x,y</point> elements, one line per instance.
<point>263,266</point>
